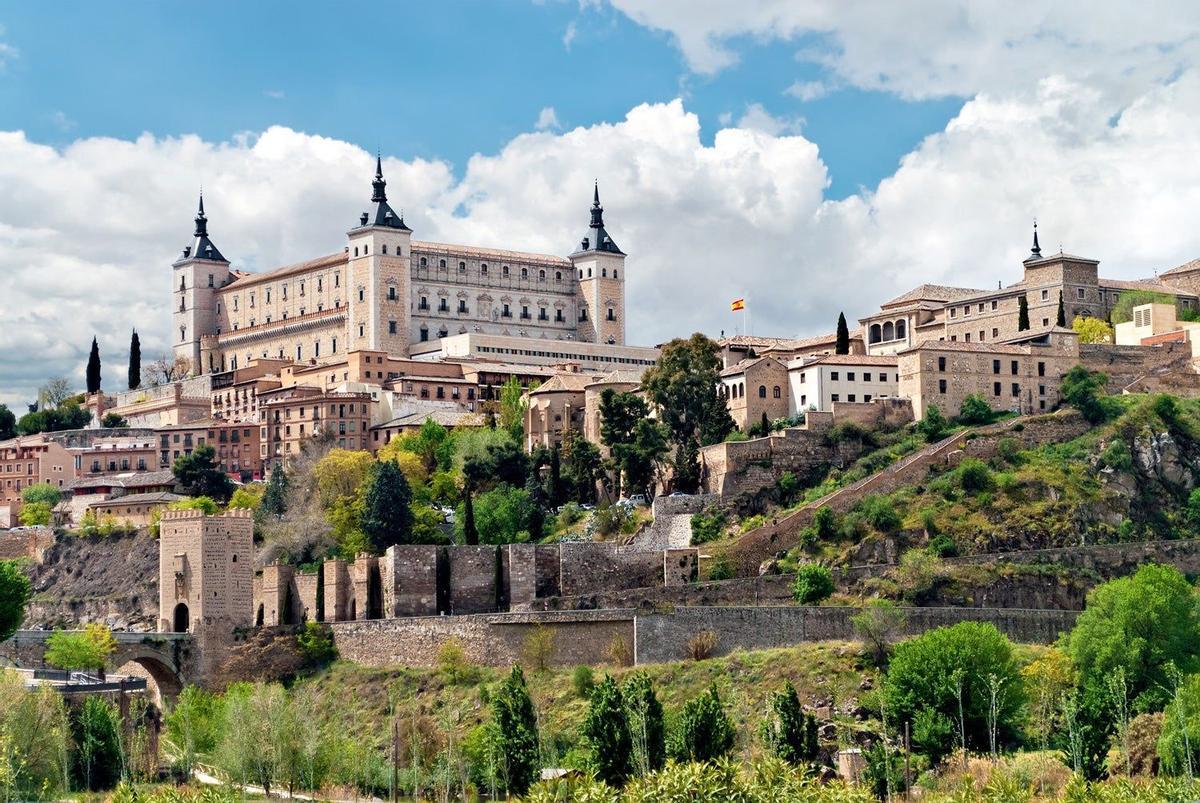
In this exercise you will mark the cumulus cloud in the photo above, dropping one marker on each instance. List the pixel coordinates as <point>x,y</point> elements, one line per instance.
<point>547,120</point>
<point>568,37</point>
<point>87,233</point>
<point>931,48</point>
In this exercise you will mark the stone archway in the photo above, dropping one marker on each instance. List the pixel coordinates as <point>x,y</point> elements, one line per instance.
<point>181,620</point>
<point>162,683</point>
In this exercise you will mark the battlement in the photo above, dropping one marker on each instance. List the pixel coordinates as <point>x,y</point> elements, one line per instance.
<point>232,513</point>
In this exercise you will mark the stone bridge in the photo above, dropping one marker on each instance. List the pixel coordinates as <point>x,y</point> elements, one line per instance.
<point>166,660</point>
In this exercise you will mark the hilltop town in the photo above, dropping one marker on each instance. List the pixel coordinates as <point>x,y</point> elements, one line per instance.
<point>423,464</point>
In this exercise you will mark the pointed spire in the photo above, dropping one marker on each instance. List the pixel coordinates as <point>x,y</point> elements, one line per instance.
<point>378,195</point>
<point>597,209</point>
<point>201,220</point>
<point>1036,252</point>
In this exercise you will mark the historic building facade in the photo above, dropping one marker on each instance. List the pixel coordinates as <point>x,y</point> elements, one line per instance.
<point>386,291</point>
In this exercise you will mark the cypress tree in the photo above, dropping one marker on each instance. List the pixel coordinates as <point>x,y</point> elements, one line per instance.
<point>135,361</point>
<point>93,368</point>
<point>645,723</point>
<point>387,515</point>
<point>470,534</point>
<point>607,732</point>
<point>274,501</point>
<point>705,730</point>
<point>537,506</point>
<point>786,732</point>
<point>555,488</point>
<point>1023,315</point>
<point>765,424</point>
<point>1062,313</point>
<point>843,335</point>
<point>517,734</point>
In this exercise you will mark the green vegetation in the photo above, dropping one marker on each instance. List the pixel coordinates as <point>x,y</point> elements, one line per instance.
<point>199,474</point>
<point>788,732</point>
<point>15,591</point>
<point>813,584</point>
<point>86,649</point>
<point>606,729</point>
<point>705,732</point>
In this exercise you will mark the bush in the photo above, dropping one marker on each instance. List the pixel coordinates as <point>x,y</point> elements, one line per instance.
<point>42,492</point>
<point>974,476</point>
<point>701,645</point>
<point>1083,390</point>
<point>813,584</point>
<point>1178,746</point>
<point>917,573</point>
<point>316,644</point>
<point>1118,457</point>
<point>452,662</point>
<point>620,653</point>
<point>1008,450</point>
<point>934,426</point>
<point>880,513</point>
<point>705,731</point>
<point>879,624</point>
<point>720,569</point>
<point>583,680</point>
<point>825,523</point>
<point>708,525</point>
<point>952,669</point>
<point>974,410</point>
<point>539,648</point>
<point>943,546</point>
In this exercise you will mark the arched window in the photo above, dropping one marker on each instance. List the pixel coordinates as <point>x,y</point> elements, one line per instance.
<point>876,333</point>
<point>384,251</point>
<point>356,250</point>
<point>889,331</point>
<point>614,273</point>
<point>524,273</point>
<point>443,332</point>
<point>504,270</point>
<point>441,263</point>
<point>741,390</point>
<point>901,326</point>
<point>762,391</point>
<point>541,275</point>
<point>181,618</point>
<point>483,269</point>
<point>776,392</point>
<point>557,276</point>
<point>423,262</point>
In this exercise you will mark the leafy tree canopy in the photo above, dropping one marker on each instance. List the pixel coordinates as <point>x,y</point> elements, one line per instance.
<point>683,385</point>
<point>15,591</point>
<point>200,474</point>
<point>1092,330</point>
<point>80,649</point>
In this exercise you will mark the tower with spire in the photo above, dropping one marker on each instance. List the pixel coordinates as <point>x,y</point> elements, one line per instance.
<point>600,270</point>
<point>197,276</point>
<point>378,251</point>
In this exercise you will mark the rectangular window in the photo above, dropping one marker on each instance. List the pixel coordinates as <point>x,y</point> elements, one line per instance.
<point>1016,366</point>
<point>849,376</point>
<point>1045,295</point>
<point>833,397</point>
<point>995,333</point>
<point>866,377</point>
<point>941,363</point>
<point>850,397</point>
<point>995,366</point>
<point>1081,293</point>
<point>994,305</point>
<point>995,388</point>
<point>1016,390</point>
<point>1041,390</point>
<point>967,337</point>
<point>953,312</point>
<point>391,327</point>
<point>833,375</point>
<point>941,386</point>
<point>1045,321</point>
<point>1041,369</point>
<point>967,309</point>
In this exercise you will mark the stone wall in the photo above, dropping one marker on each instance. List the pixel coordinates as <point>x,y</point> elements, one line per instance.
<point>585,568</point>
<point>474,579</point>
<point>890,412</point>
<point>30,544</point>
<point>736,467</point>
<point>660,638</point>
<point>672,525</point>
<point>1124,364</point>
<point>488,639</point>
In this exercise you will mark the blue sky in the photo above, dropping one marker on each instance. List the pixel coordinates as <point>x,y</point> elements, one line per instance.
<point>434,80</point>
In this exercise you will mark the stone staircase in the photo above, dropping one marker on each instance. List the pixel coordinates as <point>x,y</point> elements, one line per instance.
<point>751,549</point>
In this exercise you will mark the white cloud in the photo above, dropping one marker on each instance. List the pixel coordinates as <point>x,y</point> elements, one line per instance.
<point>929,48</point>
<point>547,120</point>
<point>809,90</point>
<point>274,94</point>
<point>8,54</point>
<point>569,34</point>
<point>62,121</point>
<point>756,118</point>
<point>87,234</point>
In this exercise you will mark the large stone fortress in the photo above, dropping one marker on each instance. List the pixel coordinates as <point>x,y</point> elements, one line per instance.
<point>385,291</point>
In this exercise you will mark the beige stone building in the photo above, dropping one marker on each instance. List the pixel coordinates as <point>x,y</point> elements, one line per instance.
<point>206,570</point>
<point>969,315</point>
<point>554,408</point>
<point>737,348</point>
<point>235,445</point>
<point>1023,375</point>
<point>385,292</point>
<point>30,460</point>
<point>292,415</point>
<point>817,383</point>
<point>753,388</point>
<point>1155,324</point>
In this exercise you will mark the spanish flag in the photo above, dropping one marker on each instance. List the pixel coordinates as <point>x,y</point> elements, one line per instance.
<point>738,304</point>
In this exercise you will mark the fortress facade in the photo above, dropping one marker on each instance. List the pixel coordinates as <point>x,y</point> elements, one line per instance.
<point>386,291</point>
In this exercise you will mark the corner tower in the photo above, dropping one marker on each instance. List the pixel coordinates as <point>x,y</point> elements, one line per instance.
<point>196,277</point>
<point>600,270</point>
<point>378,254</point>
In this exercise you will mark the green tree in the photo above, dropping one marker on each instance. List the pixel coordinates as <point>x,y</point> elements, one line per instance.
<point>135,361</point>
<point>584,469</point>
<point>470,534</point>
<point>813,583</point>
<point>15,591</point>
<point>1141,625</point>
<point>249,747</point>
<point>934,426</point>
<point>41,492</point>
<point>705,732</point>
<point>512,409</point>
<point>1022,314</point>
<point>1092,330</point>
<point>86,649</point>
<point>879,624</point>
<point>274,501</point>
<point>517,732</point>
<point>942,682</point>
<point>194,725</point>
<point>387,514</point>
<point>1122,311</point>
<point>200,474</point>
<point>113,421</point>
<point>788,731</point>
<point>68,415</point>
<point>1179,743</point>
<point>93,369</point>
<point>607,731</point>
<point>974,410</point>
<point>8,423</point>
<point>35,741</point>
<point>1083,390</point>
<point>502,515</point>
<point>646,728</point>
<point>1062,313</point>
<point>637,443</point>
<point>36,514</point>
<point>842,345</point>
<point>98,760</point>
<point>204,503</point>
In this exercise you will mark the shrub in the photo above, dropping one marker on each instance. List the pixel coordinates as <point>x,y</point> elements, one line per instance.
<point>1178,745</point>
<point>1008,450</point>
<point>974,476</point>
<point>934,426</point>
<point>708,525</point>
<point>619,652</point>
<point>36,514</point>
<point>974,410</point>
<point>788,731</point>
<point>720,569</point>
<point>42,492</point>
<point>705,731</point>
<point>1083,390</point>
<point>607,732</point>
<point>1117,456</point>
<point>612,519</point>
<point>539,648</point>
<point>813,584</point>
<point>583,680</point>
<point>701,645</point>
<point>943,546</point>
<point>917,573</point>
<point>315,641</point>
<point>952,669</point>
<point>825,523</point>
<point>880,513</point>
<point>878,625</point>
<point>570,514</point>
<point>452,662</point>
<point>786,487</point>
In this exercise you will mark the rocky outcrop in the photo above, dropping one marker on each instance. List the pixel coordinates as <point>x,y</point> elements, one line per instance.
<point>1158,455</point>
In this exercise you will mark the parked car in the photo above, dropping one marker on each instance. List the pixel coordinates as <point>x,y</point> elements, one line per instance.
<point>638,499</point>
<point>679,493</point>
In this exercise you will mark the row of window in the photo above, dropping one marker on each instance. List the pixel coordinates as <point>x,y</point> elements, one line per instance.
<point>966,309</point>
<point>1015,366</point>
<point>997,388</point>
<point>738,391</point>
<point>850,375</point>
<point>423,262</point>
<point>850,397</point>
<point>879,333</point>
